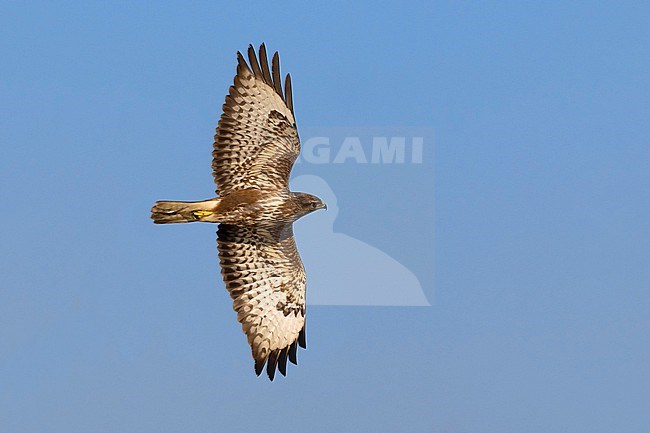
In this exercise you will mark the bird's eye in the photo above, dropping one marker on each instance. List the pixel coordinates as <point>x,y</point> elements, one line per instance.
<point>314,204</point>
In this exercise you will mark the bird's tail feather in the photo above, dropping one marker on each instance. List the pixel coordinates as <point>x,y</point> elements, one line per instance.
<point>169,212</point>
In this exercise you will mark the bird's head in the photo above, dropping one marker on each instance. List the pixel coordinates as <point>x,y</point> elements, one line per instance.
<point>307,203</point>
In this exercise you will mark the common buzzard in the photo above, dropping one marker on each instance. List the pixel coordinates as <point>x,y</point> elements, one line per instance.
<point>255,147</point>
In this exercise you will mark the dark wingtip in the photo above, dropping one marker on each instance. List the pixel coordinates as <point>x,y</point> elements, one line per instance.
<point>258,65</point>
<point>241,63</point>
<point>272,363</point>
<point>264,63</point>
<point>259,366</point>
<point>288,93</point>
<point>275,68</point>
<point>252,58</point>
<point>282,361</point>
<point>278,358</point>
<point>293,351</point>
<point>302,339</point>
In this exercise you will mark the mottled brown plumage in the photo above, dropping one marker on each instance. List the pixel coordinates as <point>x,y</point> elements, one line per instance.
<point>255,147</point>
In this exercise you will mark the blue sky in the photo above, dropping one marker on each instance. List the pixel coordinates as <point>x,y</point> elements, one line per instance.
<point>535,260</point>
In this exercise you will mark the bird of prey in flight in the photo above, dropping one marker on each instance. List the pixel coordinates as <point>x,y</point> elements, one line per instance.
<point>255,147</point>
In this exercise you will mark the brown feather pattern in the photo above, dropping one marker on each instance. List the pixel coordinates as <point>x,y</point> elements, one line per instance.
<point>266,280</point>
<point>255,147</point>
<point>257,141</point>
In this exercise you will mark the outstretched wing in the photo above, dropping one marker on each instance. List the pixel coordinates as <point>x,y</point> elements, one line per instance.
<point>266,280</point>
<point>256,142</point>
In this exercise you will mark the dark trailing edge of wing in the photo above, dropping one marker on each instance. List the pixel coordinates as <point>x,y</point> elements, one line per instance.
<point>271,76</point>
<point>278,358</point>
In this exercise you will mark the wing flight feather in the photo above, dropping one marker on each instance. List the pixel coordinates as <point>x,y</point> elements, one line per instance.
<point>256,142</point>
<point>266,280</point>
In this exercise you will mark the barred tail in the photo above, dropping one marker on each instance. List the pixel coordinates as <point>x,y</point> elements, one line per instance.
<point>169,212</point>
